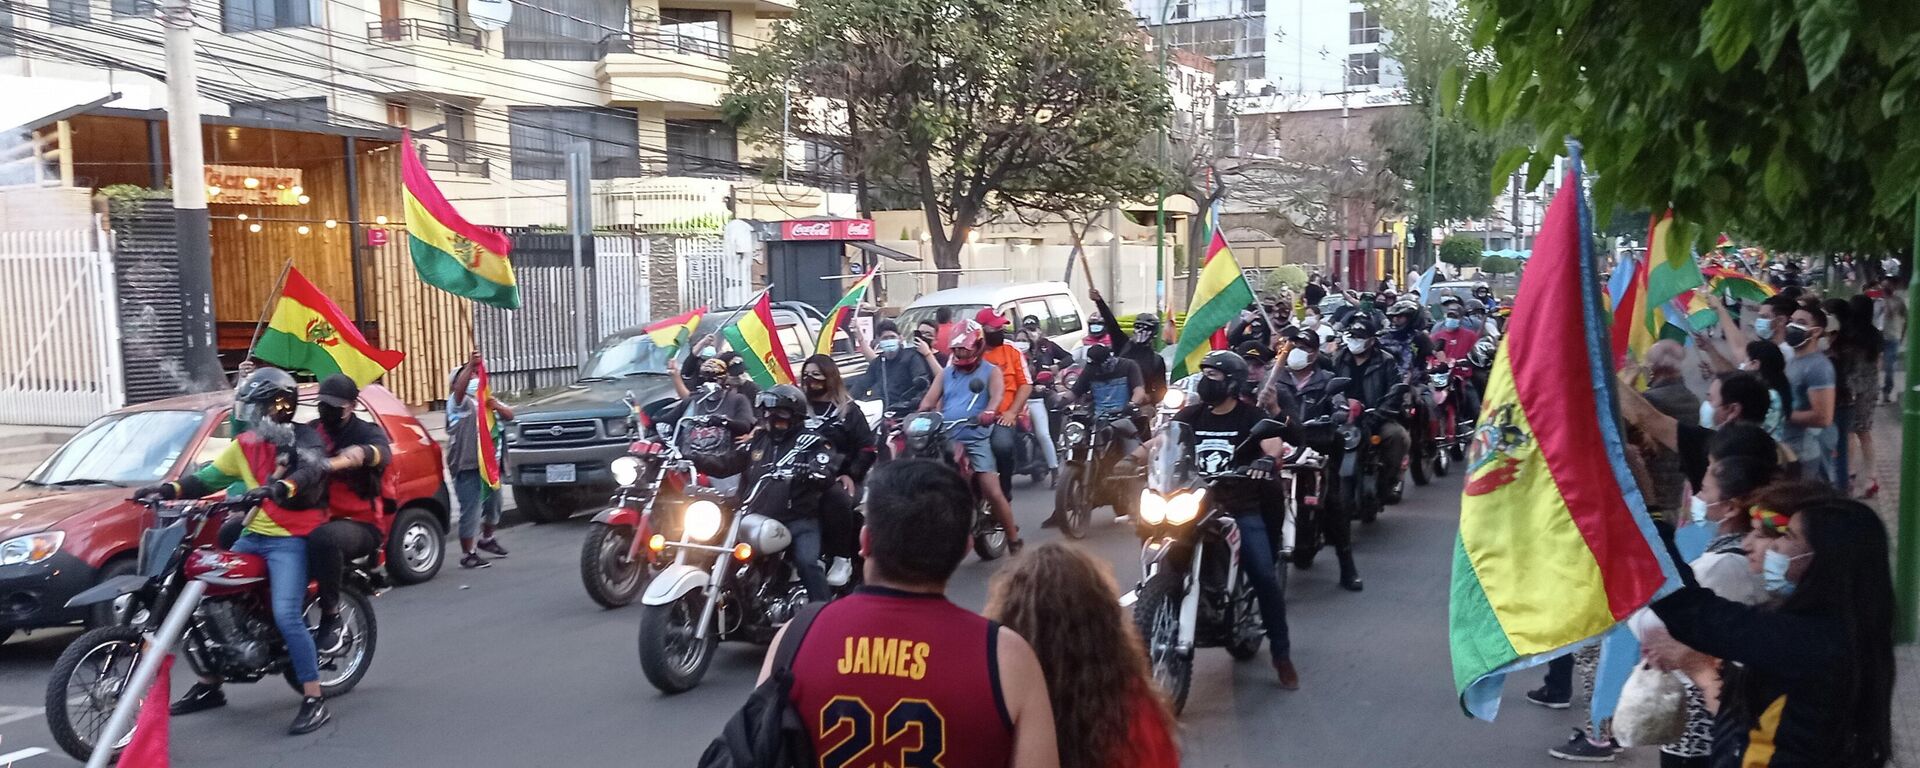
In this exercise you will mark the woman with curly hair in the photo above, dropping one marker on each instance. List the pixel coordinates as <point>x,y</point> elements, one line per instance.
<point>1106,711</point>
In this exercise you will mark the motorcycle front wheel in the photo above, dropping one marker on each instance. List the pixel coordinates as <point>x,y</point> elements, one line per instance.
<point>1157,615</point>
<point>609,581</point>
<point>671,656</point>
<point>1248,630</point>
<point>1071,504</point>
<point>341,668</point>
<point>86,683</point>
<point>989,536</point>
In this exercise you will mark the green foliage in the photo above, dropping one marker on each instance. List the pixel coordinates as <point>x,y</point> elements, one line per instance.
<point>968,107</point>
<point>1460,251</point>
<point>1499,265</point>
<point>1288,277</point>
<point>1793,122</point>
<point>124,199</point>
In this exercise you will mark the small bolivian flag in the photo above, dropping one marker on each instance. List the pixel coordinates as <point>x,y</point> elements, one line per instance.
<point>308,332</point>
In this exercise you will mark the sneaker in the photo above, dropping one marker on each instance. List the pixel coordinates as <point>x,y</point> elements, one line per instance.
<point>492,547</point>
<point>1289,676</point>
<point>474,560</point>
<point>200,698</point>
<point>1540,696</point>
<point>313,714</point>
<point>840,571</point>
<point>1581,749</point>
<point>327,638</point>
<point>1015,545</point>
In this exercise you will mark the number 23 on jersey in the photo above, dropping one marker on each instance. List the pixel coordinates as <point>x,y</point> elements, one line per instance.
<point>910,734</point>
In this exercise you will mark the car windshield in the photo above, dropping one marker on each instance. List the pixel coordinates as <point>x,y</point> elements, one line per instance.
<point>916,315</point>
<point>628,356</point>
<point>134,448</point>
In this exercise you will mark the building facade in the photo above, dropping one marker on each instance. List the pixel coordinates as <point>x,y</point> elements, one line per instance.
<point>1278,46</point>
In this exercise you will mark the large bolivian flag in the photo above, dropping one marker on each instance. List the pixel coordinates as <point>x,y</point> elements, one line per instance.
<point>1555,547</point>
<point>308,332</point>
<point>451,254</point>
<point>1218,297</point>
<point>754,337</point>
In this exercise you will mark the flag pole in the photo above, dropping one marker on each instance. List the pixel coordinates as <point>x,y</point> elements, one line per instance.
<point>266,312</point>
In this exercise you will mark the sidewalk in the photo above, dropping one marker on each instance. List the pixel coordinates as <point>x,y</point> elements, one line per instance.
<point>1906,680</point>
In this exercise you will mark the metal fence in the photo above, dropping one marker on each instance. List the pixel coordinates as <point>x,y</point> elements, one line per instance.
<point>59,329</point>
<point>537,345</point>
<point>709,275</point>
<point>623,287</point>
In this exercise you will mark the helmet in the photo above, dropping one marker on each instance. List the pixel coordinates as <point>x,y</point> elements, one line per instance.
<point>1229,364</point>
<point>1476,307</point>
<point>1146,321</point>
<point>268,392</point>
<point>1403,308</point>
<point>781,397</point>
<point>1482,354</point>
<point>1481,288</point>
<point>966,336</point>
<point>713,369</point>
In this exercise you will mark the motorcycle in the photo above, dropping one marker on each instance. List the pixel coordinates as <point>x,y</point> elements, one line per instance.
<point>731,578</point>
<point>1449,431</point>
<point>222,600</point>
<point>927,436</point>
<point>1310,486</point>
<point>615,564</point>
<point>1361,460</point>
<point>1090,475</point>
<point>1191,593</point>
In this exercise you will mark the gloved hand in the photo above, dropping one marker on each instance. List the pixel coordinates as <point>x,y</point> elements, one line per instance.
<point>162,492</point>
<point>260,494</point>
<point>1261,468</point>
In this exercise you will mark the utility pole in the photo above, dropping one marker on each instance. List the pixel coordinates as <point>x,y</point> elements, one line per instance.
<point>1906,597</point>
<point>195,230</point>
<point>1159,189</point>
<point>580,224</point>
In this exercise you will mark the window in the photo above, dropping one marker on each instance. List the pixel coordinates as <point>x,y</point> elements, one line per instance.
<point>1363,69</point>
<point>1241,69</point>
<point>1183,9</point>
<point>244,15</point>
<point>1363,27</point>
<point>1066,314</point>
<point>399,115</point>
<point>1219,38</point>
<point>1036,308</point>
<point>540,137</point>
<point>69,13</point>
<point>310,110</point>
<point>824,165</point>
<point>459,132</point>
<point>569,30</point>
<point>1256,6</point>
<point>6,31</point>
<point>701,148</point>
<point>128,8</point>
<point>706,33</point>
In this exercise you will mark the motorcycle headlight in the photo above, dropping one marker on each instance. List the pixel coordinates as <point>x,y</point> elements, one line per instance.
<point>1074,433</point>
<point>1175,400</point>
<point>702,520</point>
<point>626,470</point>
<point>1153,509</point>
<point>31,548</point>
<point>1183,508</point>
<point>1437,380</point>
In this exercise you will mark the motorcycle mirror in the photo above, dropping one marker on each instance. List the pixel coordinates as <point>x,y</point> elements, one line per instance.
<point>977,386</point>
<point>1338,385</point>
<point>1266,428</point>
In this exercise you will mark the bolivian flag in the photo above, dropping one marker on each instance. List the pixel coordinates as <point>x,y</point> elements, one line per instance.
<point>1554,547</point>
<point>1733,282</point>
<point>308,332</point>
<point>841,312</point>
<point>1218,297</point>
<point>451,254</point>
<point>673,331</point>
<point>489,451</point>
<point>759,346</point>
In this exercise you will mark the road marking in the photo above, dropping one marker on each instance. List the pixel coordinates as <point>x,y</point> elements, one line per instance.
<point>10,757</point>
<point>16,714</point>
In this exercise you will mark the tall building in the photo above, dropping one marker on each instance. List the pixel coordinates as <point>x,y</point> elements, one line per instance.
<point>1278,46</point>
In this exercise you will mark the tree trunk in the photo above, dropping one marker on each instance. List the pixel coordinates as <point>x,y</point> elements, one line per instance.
<point>946,258</point>
<point>1422,253</point>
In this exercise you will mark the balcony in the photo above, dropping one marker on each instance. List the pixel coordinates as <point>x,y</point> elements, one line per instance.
<point>409,30</point>
<point>665,62</point>
<point>425,56</point>
<point>479,168</point>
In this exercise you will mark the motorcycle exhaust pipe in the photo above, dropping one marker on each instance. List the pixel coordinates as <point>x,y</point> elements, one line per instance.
<point>159,646</point>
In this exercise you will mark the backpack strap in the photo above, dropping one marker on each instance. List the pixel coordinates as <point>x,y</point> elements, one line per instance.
<point>796,632</point>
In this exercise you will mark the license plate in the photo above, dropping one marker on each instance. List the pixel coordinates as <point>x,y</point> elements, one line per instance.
<point>560,473</point>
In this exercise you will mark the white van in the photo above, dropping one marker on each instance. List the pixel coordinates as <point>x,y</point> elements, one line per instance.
<point>1061,317</point>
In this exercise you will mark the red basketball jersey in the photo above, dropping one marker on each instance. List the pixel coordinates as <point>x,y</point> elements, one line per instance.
<point>895,679</point>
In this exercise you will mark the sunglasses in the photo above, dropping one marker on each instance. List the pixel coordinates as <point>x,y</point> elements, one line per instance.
<point>814,376</point>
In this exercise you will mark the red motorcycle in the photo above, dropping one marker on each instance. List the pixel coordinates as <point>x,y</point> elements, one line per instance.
<point>927,435</point>
<point>615,562</point>
<point>1447,427</point>
<point>216,606</point>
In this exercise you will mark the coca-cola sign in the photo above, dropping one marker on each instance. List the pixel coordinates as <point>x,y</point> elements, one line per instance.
<point>827,229</point>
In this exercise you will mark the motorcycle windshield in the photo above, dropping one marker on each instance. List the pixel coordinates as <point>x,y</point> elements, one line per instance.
<point>1168,468</point>
<point>157,545</point>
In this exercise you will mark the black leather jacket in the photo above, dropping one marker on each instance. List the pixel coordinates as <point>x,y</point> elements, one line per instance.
<point>1371,379</point>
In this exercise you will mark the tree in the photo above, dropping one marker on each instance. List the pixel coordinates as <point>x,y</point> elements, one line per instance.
<point>1499,265</point>
<point>1291,278</point>
<point>1460,251</point>
<point>1795,123</point>
<point>969,107</point>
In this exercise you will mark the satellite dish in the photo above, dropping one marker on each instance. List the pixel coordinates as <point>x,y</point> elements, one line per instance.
<point>490,15</point>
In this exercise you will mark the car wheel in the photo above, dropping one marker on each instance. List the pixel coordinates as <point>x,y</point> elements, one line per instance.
<point>541,505</point>
<point>121,611</point>
<point>416,547</point>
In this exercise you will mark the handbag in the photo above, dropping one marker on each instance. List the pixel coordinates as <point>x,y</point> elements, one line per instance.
<point>1652,709</point>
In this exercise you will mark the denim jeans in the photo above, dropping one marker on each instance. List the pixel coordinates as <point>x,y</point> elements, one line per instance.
<point>806,558</point>
<point>1037,412</point>
<point>1889,360</point>
<point>287,579</point>
<point>1840,468</point>
<point>1256,562</point>
<point>469,489</point>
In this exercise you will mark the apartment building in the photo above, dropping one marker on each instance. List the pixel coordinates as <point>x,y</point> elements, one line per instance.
<point>496,105</point>
<point>1278,46</point>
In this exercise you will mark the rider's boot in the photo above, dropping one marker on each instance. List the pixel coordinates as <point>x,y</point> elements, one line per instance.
<point>1349,574</point>
<point>313,714</point>
<point>200,698</point>
<point>327,637</point>
<point>1289,677</point>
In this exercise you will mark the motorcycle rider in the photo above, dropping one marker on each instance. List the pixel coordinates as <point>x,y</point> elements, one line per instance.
<point>1046,359</point>
<point>898,371</point>
<point>1478,321</point>
<point>1110,384</point>
<point>284,466</point>
<point>1373,373</point>
<point>360,451</point>
<point>800,504</point>
<point>1221,423</point>
<point>853,439</point>
<point>1043,354</point>
<point>1453,341</point>
<point>1484,293</point>
<point>1300,395</point>
<point>1018,386</point>
<point>953,394</point>
<point>1139,347</point>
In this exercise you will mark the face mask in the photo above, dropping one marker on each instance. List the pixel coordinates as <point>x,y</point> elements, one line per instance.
<point>996,338</point>
<point>1144,335</point>
<point>1022,346</point>
<point>1773,572</point>
<point>1098,354</point>
<point>1213,391</point>
<point>1096,329</point>
<point>1298,360</point>
<point>1698,512</point>
<point>1310,321</point>
<point>1797,335</point>
<point>706,352</point>
<point>736,369</point>
<point>332,415</point>
<point>816,387</point>
<point>1451,324</point>
<point>1706,415</point>
<point>1356,346</point>
<point>889,346</point>
<point>1763,327</point>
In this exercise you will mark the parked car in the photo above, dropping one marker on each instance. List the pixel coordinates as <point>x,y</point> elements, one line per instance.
<point>1061,317</point>
<point>560,443</point>
<point>69,525</point>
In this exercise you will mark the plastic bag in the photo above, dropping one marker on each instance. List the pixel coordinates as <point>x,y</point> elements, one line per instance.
<point>1652,710</point>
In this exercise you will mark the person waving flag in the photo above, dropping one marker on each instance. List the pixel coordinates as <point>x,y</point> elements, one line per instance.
<point>1219,293</point>
<point>842,312</point>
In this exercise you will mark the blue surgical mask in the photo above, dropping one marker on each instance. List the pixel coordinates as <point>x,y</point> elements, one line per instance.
<point>1451,324</point>
<point>888,346</point>
<point>1764,327</point>
<point>1706,415</point>
<point>1773,572</point>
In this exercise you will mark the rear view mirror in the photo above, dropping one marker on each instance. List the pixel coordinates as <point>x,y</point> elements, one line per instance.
<point>1338,385</point>
<point>1266,429</point>
<point>976,386</point>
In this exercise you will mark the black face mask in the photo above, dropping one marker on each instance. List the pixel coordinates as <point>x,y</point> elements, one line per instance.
<point>1797,335</point>
<point>1213,391</point>
<point>816,387</point>
<point>332,415</point>
<point>736,369</point>
<point>1098,354</point>
<point>996,338</point>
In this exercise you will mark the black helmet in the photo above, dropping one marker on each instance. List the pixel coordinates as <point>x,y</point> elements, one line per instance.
<point>785,397</point>
<point>1475,307</point>
<point>268,392</point>
<point>1145,321</point>
<point>1482,354</point>
<point>1403,308</point>
<point>1229,364</point>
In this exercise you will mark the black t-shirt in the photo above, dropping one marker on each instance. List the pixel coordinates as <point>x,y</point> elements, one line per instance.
<point>1216,435</point>
<point>1690,442</point>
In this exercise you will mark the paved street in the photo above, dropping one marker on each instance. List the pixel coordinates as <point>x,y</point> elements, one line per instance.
<point>512,665</point>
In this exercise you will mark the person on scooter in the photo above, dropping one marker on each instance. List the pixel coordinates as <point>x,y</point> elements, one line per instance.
<point>1300,395</point>
<point>853,439</point>
<point>285,466</point>
<point>1452,342</point>
<point>955,395</point>
<point>1220,424</point>
<point>1139,347</point>
<point>1017,383</point>
<point>360,451</point>
<point>1374,373</point>
<point>898,370</point>
<point>800,504</point>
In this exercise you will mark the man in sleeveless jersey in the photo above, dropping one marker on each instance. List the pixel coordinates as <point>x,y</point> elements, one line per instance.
<point>895,674</point>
